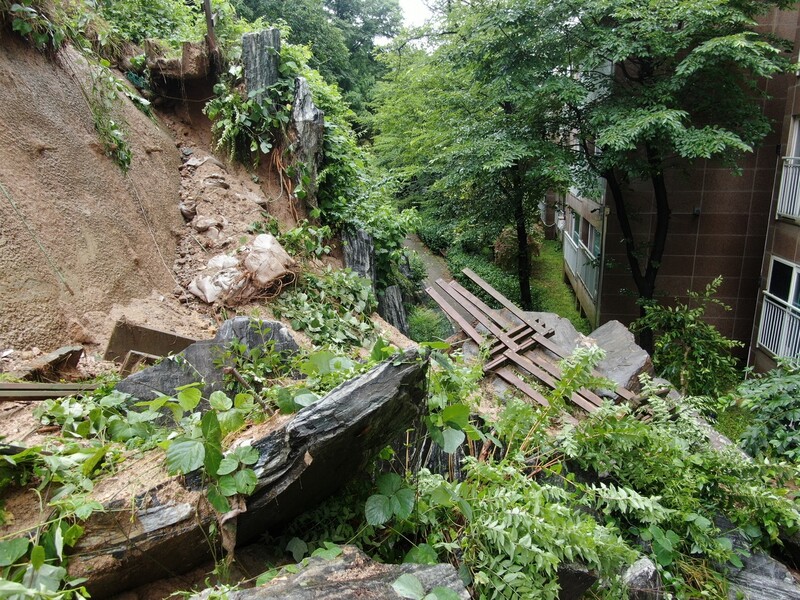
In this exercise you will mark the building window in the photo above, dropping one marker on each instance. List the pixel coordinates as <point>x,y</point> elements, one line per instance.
<point>789,193</point>
<point>779,331</point>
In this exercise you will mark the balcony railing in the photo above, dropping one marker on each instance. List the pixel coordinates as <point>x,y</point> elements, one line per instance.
<point>789,196</point>
<point>582,264</point>
<point>780,328</point>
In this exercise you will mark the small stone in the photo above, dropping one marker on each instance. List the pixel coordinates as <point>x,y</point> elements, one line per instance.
<point>187,151</point>
<point>212,233</point>
<point>205,223</point>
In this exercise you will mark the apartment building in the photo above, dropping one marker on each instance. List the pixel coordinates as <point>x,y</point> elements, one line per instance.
<point>744,227</point>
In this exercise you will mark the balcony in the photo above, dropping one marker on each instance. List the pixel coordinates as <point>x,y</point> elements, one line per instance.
<point>789,195</point>
<point>780,327</point>
<point>582,264</point>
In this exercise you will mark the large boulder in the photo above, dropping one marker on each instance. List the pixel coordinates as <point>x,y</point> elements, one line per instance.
<point>359,253</point>
<point>390,307</point>
<point>306,132</point>
<point>155,525</point>
<point>350,575</point>
<point>625,360</point>
<point>203,361</point>
<point>261,54</point>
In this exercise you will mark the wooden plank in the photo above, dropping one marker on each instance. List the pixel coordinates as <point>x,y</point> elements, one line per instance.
<point>482,306</point>
<point>455,315</point>
<point>516,311</point>
<point>66,387</point>
<point>556,373</point>
<point>536,371</point>
<point>483,319</point>
<point>527,389</point>
<point>512,378</point>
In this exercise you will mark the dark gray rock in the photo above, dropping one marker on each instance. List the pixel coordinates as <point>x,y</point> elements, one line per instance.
<point>157,525</point>
<point>200,362</point>
<point>350,575</point>
<point>762,578</point>
<point>643,581</point>
<point>624,360</point>
<point>574,580</point>
<point>261,53</point>
<point>307,131</point>
<point>391,308</point>
<point>359,253</point>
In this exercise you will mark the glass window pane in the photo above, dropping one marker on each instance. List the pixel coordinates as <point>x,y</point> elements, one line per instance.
<point>780,280</point>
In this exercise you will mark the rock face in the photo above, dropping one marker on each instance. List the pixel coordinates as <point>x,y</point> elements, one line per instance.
<point>197,362</point>
<point>624,360</point>
<point>359,253</point>
<point>261,56</point>
<point>156,525</point>
<point>306,132</point>
<point>643,580</point>
<point>391,308</point>
<point>350,575</point>
<point>762,578</point>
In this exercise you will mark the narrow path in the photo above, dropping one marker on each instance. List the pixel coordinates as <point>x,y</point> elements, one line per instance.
<point>436,268</point>
<point>435,265</point>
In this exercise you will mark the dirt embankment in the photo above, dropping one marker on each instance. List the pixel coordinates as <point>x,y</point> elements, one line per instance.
<point>77,236</point>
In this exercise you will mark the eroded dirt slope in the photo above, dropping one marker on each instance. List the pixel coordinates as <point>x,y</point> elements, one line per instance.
<point>103,232</point>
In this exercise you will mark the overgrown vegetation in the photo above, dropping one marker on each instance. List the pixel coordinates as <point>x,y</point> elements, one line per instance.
<point>689,352</point>
<point>520,511</point>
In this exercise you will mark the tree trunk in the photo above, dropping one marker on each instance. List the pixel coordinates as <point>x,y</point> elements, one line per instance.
<point>645,280</point>
<point>523,253</point>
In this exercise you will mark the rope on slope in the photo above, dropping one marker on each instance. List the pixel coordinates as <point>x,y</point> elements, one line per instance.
<point>33,235</point>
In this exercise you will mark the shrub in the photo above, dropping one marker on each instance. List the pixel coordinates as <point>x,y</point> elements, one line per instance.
<point>427,324</point>
<point>505,247</point>
<point>689,352</point>
<point>773,401</point>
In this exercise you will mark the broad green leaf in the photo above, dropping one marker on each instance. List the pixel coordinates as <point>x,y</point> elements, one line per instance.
<point>403,502</point>
<point>219,401</point>
<point>217,500</point>
<point>443,593</point>
<point>37,556</point>
<point>453,438</point>
<point>306,399</point>
<point>184,456</point>
<point>298,548</point>
<point>246,481</point>
<point>457,415</point>
<point>267,576</point>
<point>243,401</point>
<point>424,554</point>
<point>408,586</point>
<point>189,398</point>
<point>90,464</point>
<point>210,426</point>
<point>227,465</point>
<point>378,509</point>
<point>389,483</point>
<point>12,550</point>
<point>227,485</point>
<point>246,454</point>
<point>230,421</point>
<point>329,551</point>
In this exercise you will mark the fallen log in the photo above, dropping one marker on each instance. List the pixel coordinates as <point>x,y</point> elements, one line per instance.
<point>155,525</point>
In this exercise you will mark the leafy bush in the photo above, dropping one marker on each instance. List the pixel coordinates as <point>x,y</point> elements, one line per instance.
<point>333,308</point>
<point>173,21</point>
<point>670,461</point>
<point>773,401</point>
<point>689,352</point>
<point>505,247</point>
<point>427,324</point>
